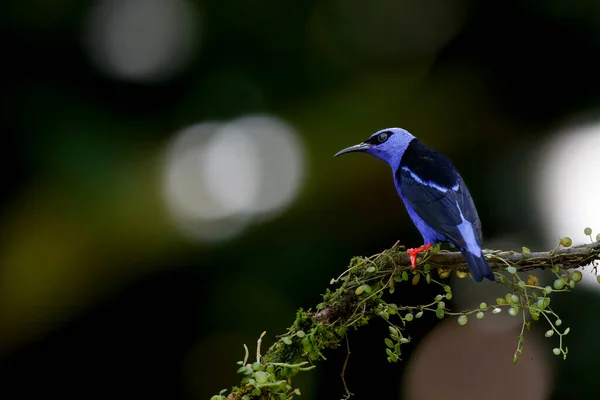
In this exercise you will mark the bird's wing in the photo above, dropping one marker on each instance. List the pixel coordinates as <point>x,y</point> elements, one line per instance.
<point>443,208</point>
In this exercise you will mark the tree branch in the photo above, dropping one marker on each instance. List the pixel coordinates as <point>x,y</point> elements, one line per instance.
<point>565,258</point>
<point>359,297</point>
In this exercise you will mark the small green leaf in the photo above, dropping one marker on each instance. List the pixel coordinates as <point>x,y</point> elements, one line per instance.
<point>566,241</point>
<point>416,279</point>
<point>587,231</point>
<point>393,331</point>
<point>462,320</point>
<point>576,275</point>
<point>558,322</point>
<point>462,274</point>
<point>540,304</point>
<point>547,290</point>
<point>371,269</point>
<point>559,284</point>
<point>533,280</point>
<point>483,306</point>
<point>404,275</point>
<point>419,314</point>
<point>389,343</point>
<point>261,377</point>
<point>287,340</point>
<point>534,315</point>
<point>307,344</point>
<point>439,313</point>
<point>512,311</point>
<point>256,366</point>
<point>479,315</point>
<point>566,332</point>
<point>556,351</point>
<point>367,289</point>
<point>408,317</point>
<point>525,251</point>
<point>359,290</point>
<point>300,334</point>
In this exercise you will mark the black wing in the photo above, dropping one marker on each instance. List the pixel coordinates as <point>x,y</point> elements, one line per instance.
<point>435,191</point>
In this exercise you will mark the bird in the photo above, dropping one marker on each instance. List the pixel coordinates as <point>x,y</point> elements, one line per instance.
<point>434,194</point>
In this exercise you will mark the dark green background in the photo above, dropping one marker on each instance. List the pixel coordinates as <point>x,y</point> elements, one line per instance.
<point>109,303</point>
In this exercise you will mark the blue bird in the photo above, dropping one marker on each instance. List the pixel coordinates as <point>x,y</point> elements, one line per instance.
<point>434,194</point>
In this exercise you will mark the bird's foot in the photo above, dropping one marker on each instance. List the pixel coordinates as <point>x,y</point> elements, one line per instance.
<point>414,252</point>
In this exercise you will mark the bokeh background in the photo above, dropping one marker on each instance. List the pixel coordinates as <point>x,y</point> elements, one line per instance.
<point>169,191</point>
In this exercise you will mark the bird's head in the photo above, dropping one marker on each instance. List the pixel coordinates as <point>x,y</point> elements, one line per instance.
<point>387,144</point>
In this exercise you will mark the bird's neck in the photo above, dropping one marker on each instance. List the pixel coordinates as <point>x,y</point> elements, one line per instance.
<point>395,157</point>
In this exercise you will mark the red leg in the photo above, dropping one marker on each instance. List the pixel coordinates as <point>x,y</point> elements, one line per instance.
<point>414,252</point>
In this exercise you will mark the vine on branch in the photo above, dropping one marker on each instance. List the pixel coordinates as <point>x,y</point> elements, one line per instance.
<point>359,297</point>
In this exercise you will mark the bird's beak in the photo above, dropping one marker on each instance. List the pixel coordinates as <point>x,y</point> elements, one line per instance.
<point>361,147</point>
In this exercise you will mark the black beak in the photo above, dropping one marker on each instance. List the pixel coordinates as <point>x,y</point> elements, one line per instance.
<point>361,147</point>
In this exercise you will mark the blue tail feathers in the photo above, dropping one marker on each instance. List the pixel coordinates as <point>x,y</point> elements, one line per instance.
<point>479,266</point>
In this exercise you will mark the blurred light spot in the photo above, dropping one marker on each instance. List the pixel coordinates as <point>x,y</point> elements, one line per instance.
<point>567,191</point>
<point>142,40</point>
<point>219,177</point>
<point>468,364</point>
<point>230,169</point>
<point>279,162</point>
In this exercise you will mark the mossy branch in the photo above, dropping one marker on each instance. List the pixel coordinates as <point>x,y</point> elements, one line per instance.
<point>359,297</point>
<point>525,260</point>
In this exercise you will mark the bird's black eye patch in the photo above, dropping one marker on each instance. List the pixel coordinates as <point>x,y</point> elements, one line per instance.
<point>380,138</point>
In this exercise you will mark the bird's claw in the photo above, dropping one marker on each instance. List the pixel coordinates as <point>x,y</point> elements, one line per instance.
<point>415,252</point>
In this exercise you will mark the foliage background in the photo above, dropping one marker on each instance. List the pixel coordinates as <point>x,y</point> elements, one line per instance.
<point>102,295</point>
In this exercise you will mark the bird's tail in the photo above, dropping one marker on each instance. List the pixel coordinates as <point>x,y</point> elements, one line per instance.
<point>479,266</point>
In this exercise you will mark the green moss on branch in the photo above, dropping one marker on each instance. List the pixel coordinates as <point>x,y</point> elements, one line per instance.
<point>359,296</point>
